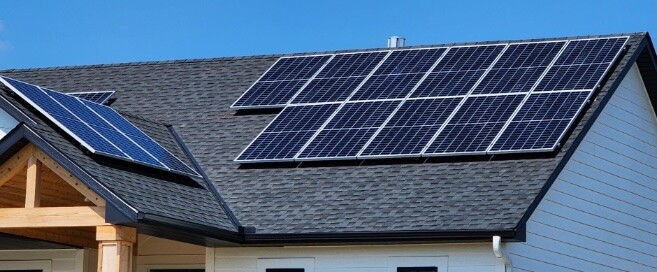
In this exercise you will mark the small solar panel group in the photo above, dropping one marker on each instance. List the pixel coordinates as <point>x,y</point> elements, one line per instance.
<point>100,129</point>
<point>480,99</point>
<point>96,97</point>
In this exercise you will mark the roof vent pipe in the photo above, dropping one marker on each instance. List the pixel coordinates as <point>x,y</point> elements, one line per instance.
<point>396,41</point>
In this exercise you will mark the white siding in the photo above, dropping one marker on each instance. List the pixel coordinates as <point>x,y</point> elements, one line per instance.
<point>601,212</point>
<point>7,123</point>
<point>55,260</point>
<point>456,257</point>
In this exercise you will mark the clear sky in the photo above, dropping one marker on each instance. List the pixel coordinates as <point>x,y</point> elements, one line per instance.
<point>40,33</point>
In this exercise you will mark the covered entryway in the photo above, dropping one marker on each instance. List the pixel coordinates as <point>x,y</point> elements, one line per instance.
<point>39,199</point>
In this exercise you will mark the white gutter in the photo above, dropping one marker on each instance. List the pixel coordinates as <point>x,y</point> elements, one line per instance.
<point>499,253</point>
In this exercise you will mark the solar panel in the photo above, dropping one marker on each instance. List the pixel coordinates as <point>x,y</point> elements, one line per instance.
<point>581,65</point>
<point>519,68</point>
<point>98,128</point>
<point>348,131</point>
<point>480,99</point>
<point>287,133</point>
<point>541,121</point>
<point>411,127</point>
<point>398,74</point>
<point>475,125</point>
<point>281,82</point>
<point>96,97</point>
<point>458,71</point>
<point>340,78</point>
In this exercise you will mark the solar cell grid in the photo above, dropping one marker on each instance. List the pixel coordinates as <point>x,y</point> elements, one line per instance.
<point>398,74</point>
<point>411,127</point>
<point>340,78</point>
<point>519,68</point>
<point>541,121</point>
<point>295,68</point>
<point>590,51</point>
<point>349,130</point>
<point>96,97</point>
<point>281,82</point>
<point>581,65</point>
<point>475,125</point>
<point>458,71</point>
<point>288,132</point>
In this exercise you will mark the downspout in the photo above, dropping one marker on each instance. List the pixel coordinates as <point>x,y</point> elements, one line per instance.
<point>499,253</point>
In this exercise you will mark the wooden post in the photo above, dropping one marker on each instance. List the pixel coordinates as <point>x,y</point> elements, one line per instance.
<point>33,185</point>
<point>115,246</point>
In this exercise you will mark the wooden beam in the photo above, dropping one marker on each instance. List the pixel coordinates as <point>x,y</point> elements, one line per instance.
<point>84,216</point>
<point>115,248</point>
<point>15,164</point>
<point>70,179</point>
<point>116,233</point>
<point>33,183</point>
<point>79,237</point>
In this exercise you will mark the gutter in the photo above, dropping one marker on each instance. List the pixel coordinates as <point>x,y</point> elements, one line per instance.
<point>500,254</point>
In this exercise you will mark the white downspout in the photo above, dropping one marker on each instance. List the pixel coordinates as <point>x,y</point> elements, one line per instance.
<point>500,254</point>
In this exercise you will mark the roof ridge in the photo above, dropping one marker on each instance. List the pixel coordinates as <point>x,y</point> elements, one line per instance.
<point>196,60</point>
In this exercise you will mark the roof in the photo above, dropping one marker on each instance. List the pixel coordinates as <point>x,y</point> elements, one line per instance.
<point>434,196</point>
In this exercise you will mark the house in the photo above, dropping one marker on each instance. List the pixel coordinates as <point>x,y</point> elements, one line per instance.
<point>221,191</point>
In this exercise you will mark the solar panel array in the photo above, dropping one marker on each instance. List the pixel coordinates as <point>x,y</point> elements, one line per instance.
<point>100,129</point>
<point>478,99</point>
<point>96,97</point>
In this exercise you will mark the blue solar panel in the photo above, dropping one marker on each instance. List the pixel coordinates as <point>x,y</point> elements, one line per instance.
<point>572,77</point>
<point>519,67</point>
<point>475,125</point>
<point>99,128</point>
<point>469,58</point>
<point>447,83</point>
<point>340,78</point>
<point>409,61</point>
<point>398,74</point>
<point>352,64</point>
<point>328,89</point>
<point>541,121</point>
<point>281,82</point>
<point>349,130</point>
<point>581,65</point>
<point>591,51</point>
<point>458,71</point>
<point>411,128</point>
<point>287,134</point>
<point>96,97</point>
<point>295,68</point>
<point>387,87</point>
<point>269,93</point>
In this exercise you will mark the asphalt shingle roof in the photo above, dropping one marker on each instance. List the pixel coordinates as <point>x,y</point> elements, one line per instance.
<point>194,96</point>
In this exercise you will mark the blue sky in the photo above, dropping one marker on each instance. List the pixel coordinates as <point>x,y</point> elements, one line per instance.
<point>38,33</point>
